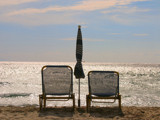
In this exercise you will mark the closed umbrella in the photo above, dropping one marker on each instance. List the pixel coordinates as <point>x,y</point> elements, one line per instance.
<point>78,70</point>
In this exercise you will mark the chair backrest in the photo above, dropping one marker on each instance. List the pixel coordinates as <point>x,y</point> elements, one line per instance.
<point>103,83</point>
<point>57,80</point>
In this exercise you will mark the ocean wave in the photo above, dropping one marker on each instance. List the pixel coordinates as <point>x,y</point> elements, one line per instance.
<point>4,83</point>
<point>12,95</point>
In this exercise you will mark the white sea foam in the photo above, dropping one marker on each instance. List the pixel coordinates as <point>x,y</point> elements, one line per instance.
<point>20,83</point>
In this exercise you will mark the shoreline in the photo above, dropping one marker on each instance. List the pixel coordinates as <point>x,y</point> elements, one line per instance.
<point>67,113</point>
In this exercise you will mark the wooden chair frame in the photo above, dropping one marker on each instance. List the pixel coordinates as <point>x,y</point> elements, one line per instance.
<point>43,97</point>
<point>89,97</point>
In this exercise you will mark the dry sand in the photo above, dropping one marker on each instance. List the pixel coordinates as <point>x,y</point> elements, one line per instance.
<point>67,113</point>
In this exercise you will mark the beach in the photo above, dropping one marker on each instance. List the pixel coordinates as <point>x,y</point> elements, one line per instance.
<point>21,83</point>
<point>67,113</point>
<point>20,87</point>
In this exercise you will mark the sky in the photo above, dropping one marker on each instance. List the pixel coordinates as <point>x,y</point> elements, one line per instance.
<point>113,31</point>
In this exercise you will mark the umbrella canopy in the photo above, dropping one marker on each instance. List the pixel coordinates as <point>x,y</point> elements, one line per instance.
<point>78,70</point>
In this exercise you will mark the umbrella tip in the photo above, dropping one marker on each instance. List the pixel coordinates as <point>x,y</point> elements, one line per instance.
<point>79,26</point>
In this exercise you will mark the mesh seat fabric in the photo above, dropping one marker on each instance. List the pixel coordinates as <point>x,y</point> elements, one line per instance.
<point>103,83</point>
<point>57,80</point>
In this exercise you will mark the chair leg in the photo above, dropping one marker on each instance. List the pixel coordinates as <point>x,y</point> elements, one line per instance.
<point>88,102</point>
<point>119,101</point>
<point>44,102</point>
<point>40,102</point>
<point>73,97</point>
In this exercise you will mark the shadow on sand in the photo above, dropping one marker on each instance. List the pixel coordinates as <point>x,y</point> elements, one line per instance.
<point>57,111</point>
<point>105,112</point>
<point>95,112</point>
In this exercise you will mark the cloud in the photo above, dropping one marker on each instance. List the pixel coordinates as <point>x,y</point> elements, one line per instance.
<point>120,19</point>
<point>69,39</point>
<point>85,39</point>
<point>93,40</point>
<point>127,15</point>
<point>15,2</point>
<point>44,19</point>
<point>86,5</point>
<point>56,14</point>
<point>131,19</point>
<point>144,34</point>
<point>125,10</point>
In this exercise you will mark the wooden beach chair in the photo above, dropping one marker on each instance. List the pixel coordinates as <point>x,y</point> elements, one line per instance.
<point>103,85</point>
<point>57,85</point>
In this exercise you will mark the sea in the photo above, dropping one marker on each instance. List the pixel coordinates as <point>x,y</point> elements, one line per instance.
<point>20,83</point>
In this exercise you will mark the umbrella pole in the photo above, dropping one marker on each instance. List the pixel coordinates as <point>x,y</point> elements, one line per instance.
<point>79,102</point>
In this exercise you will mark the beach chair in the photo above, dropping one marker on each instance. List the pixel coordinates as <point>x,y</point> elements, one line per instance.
<point>57,85</point>
<point>103,85</point>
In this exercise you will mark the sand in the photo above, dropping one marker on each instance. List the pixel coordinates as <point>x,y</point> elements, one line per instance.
<point>67,113</point>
